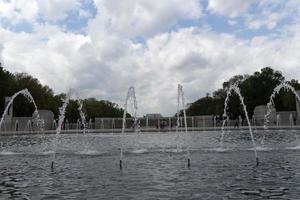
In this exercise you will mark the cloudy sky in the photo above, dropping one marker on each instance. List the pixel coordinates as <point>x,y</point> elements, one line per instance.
<point>101,47</point>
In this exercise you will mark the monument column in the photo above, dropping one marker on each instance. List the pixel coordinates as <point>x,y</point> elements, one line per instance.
<point>298,105</point>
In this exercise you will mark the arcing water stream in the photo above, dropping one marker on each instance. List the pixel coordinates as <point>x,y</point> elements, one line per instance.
<point>235,88</point>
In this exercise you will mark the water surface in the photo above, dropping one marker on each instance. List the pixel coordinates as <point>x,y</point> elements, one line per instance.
<point>155,166</point>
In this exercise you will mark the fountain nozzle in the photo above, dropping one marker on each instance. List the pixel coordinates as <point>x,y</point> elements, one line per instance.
<point>257,162</point>
<point>121,166</point>
<point>52,165</point>
<point>189,162</point>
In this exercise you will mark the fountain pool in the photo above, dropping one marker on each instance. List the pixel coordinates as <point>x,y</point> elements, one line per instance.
<point>153,168</point>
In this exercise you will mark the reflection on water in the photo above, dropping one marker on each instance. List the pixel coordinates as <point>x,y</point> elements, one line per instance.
<point>154,167</point>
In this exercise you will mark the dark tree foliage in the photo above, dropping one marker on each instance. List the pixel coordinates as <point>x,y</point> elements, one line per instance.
<point>7,84</point>
<point>43,95</point>
<point>45,99</point>
<point>102,108</point>
<point>256,90</point>
<point>205,106</point>
<point>93,108</point>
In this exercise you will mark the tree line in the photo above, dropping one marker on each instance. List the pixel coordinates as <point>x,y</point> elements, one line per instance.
<point>46,99</point>
<point>256,90</point>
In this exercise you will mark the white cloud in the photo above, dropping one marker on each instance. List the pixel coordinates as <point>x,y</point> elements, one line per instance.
<point>143,17</point>
<point>57,9</point>
<point>232,22</point>
<point>49,59</point>
<point>104,62</point>
<point>18,11</point>
<point>230,8</point>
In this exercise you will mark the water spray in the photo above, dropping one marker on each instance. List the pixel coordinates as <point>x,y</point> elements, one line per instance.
<point>62,111</point>
<point>235,88</point>
<point>28,96</point>
<point>271,104</point>
<point>130,94</point>
<point>180,96</point>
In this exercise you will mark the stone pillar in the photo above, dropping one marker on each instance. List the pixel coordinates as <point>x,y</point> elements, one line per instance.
<point>158,123</point>
<point>147,123</point>
<point>298,105</point>
<point>193,123</point>
<point>102,123</point>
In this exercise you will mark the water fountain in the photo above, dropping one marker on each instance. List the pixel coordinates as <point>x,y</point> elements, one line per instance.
<point>253,120</point>
<point>278,123</point>
<point>67,125</point>
<point>240,121</point>
<point>23,161</point>
<point>62,111</point>
<point>235,88</point>
<point>90,124</point>
<point>130,96</point>
<point>180,99</point>
<point>102,124</point>
<point>271,104</point>
<point>29,97</point>
<point>54,124</point>
<point>285,86</point>
<point>78,125</point>
<point>28,126</point>
<point>113,126</point>
<point>3,128</point>
<point>16,126</point>
<point>215,122</point>
<point>291,120</point>
<point>82,116</point>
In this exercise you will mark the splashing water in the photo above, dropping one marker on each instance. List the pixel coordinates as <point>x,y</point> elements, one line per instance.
<point>28,126</point>
<point>62,111</point>
<point>130,95</point>
<point>83,125</point>
<point>225,114</point>
<point>82,115</point>
<point>271,104</point>
<point>235,88</point>
<point>287,87</point>
<point>29,97</point>
<point>180,96</point>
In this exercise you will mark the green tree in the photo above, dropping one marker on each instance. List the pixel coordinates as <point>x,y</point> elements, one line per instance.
<point>256,90</point>
<point>45,99</point>
<point>7,85</point>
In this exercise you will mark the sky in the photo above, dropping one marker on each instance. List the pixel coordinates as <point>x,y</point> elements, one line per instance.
<point>102,47</point>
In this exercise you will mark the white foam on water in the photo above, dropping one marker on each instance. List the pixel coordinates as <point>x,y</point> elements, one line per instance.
<point>261,148</point>
<point>89,152</point>
<point>219,149</point>
<point>293,148</point>
<point>174,150</point>
<point>47,152</point>
<point>139,151</point>
<point>8,153</point>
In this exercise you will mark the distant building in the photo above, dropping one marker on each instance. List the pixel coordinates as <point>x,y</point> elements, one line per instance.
<point>285,117</point>
<point>153,116</point>
<point>10,121</point>
<point>48,117</point>
<point>259,115</point>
